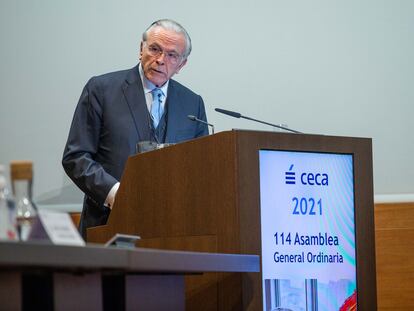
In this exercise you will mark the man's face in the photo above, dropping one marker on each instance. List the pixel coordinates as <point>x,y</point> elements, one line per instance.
<point>161,55</point>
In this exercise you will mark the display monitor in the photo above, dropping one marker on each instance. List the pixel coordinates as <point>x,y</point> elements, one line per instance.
<point>307,231</point>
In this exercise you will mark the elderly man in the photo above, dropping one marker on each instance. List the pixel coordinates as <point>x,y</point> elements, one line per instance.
<point>119,109</point>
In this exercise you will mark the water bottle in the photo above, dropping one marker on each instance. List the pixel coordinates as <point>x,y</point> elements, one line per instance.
<point>7,210</point>
<point>22,176</point>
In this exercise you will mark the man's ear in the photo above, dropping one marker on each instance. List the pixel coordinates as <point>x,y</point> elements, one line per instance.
<point>181,65</point>
<point>140,49</point>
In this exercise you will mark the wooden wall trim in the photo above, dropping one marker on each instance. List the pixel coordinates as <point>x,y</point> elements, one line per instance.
<point>394,235</point>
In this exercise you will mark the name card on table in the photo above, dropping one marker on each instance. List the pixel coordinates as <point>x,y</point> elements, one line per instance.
<point>56,227</point>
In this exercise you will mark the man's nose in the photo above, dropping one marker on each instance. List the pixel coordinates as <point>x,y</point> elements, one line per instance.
<point>160,59</point>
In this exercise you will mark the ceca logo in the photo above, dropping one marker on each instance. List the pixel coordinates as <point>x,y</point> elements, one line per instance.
<point>290,176</point>
<point>311,179</point>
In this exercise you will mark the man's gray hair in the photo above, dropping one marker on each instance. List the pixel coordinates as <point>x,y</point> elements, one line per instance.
<point>169,24</point>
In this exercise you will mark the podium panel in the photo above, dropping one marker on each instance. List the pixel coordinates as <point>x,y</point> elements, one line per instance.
<point>204,195</point>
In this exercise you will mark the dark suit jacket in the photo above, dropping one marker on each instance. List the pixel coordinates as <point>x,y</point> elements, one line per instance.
<point>110,118</point>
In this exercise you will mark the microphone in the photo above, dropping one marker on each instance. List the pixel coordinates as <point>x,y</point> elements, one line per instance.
<point>195,119</point>
<point>239,115</point>
<point>229,113</point>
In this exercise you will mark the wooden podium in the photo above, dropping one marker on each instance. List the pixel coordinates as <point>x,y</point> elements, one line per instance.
<point>203,195</point>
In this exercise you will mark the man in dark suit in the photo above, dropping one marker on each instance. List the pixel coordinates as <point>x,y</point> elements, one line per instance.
<point>117,110</point>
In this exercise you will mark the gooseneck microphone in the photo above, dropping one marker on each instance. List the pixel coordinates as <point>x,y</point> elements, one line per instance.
<point>239,115</point>
<point>195,119</point>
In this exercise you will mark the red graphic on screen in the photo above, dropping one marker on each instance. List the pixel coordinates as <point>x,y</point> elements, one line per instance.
<point>350,303</point>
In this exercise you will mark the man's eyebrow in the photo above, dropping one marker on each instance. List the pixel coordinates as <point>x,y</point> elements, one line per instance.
<point>159,46</point>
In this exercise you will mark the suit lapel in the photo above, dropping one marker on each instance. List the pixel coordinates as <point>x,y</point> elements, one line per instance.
<point>135,98</point>
<point>174,112</point>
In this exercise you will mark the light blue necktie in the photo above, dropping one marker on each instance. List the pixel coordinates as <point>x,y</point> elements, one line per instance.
<point>156,108</point>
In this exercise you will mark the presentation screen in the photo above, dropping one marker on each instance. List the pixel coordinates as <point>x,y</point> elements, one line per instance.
<point>307,231</point>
